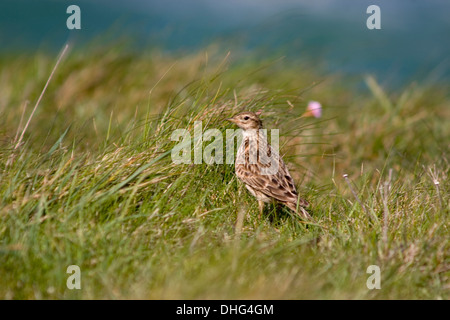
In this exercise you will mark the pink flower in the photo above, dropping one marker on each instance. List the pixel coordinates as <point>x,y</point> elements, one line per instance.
<point>314,109</point>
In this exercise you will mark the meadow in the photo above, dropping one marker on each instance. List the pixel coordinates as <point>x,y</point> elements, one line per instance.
<point>89,180</point>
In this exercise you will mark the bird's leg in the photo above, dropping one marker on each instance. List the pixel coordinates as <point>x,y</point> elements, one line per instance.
<point>261,208</point>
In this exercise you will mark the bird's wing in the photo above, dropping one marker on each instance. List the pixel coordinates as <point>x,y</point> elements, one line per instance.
<point>278,185</point>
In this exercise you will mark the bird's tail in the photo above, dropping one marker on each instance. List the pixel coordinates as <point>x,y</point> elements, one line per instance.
<point>300,210</point>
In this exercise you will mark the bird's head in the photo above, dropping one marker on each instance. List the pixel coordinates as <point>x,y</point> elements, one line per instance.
<point>247,120</point>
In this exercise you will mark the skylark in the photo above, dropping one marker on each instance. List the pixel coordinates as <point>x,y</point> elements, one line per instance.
<point>261,168</point>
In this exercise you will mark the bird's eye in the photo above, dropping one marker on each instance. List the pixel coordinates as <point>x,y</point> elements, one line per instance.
<point>246,117</point>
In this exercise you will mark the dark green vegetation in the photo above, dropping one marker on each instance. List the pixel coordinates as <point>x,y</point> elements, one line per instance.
<point>93,184</point>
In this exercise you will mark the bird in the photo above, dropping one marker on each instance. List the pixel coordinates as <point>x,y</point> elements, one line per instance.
<point>261,168</point>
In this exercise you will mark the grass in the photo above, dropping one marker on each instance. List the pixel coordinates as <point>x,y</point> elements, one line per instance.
<point>92,183</point>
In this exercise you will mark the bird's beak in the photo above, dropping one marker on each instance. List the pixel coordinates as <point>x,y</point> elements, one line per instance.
<point>231,120</point>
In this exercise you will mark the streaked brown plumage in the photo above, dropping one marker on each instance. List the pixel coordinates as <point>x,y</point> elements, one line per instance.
<point>253,167</point>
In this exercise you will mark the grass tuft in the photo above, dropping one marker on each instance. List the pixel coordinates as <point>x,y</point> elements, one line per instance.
<point>93,183</point>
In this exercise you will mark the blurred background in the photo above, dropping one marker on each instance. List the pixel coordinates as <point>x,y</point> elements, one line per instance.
<point>412,44</point>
